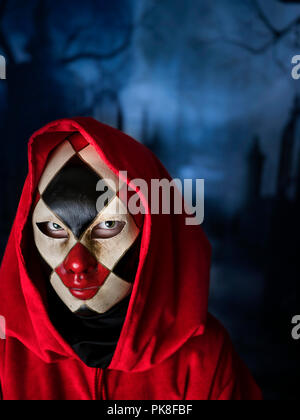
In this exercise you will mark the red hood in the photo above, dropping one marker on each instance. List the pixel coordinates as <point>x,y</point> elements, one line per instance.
<point>169,300</point>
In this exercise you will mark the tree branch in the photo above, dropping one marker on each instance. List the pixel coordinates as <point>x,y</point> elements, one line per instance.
<point>276,35</point>
<point>93,55</point>
<point>100,56</point>
<point>264,19</point>
<point>240,44</point>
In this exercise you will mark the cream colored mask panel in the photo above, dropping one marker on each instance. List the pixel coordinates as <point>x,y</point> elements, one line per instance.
<point>92,249</point>
<point>45,226</point>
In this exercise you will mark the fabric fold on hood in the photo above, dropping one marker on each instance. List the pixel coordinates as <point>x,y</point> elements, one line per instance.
<point>168,304</point>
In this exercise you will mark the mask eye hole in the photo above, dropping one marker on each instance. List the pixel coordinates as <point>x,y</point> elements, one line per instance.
<point>53,230</point>
<point>107,229</point>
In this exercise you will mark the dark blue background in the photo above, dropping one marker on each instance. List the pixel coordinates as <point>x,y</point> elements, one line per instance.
<point>207,85</point>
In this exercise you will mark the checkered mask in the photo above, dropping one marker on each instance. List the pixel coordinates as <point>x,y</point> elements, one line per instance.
<point>91,247</point>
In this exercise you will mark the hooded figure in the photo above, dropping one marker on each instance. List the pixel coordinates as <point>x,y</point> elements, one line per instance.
<point>106,305</point>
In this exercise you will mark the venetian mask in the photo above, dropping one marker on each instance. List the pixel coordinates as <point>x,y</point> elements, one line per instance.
<point>91,248</point>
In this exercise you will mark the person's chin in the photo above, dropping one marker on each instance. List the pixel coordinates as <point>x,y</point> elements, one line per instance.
<point>85,312</point>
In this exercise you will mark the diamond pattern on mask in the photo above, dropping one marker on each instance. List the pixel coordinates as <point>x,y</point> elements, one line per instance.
<point>82,273</point>
<point>58,159</point>
<point>78,141</point>
<point>119,255</point>
<point>110,251</point>
<point>53,251</point>
<point>91,157</point>
<point>127,266</point>
<point>72,195</point>
<point>112,292</point>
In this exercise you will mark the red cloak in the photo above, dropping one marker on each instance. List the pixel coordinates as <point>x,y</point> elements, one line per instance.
<point>170,347</point>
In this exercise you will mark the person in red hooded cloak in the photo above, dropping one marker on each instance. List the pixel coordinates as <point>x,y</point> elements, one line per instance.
<point>102,306</point>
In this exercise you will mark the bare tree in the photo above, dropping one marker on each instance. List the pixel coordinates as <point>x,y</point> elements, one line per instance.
<point>275,35</point>
<point>94,55</point>
<point>123,46</point>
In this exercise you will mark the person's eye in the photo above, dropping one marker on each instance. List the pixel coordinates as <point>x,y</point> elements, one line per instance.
<point>107,229</point>
<point>53,230</point>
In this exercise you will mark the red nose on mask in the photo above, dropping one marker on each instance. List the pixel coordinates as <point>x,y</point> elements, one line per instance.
<point>80,261</point>
<point>81,273</point>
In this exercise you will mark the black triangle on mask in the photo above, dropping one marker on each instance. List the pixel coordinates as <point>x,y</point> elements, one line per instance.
<point>73,197</point>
